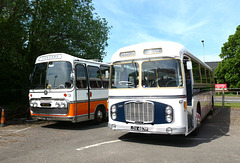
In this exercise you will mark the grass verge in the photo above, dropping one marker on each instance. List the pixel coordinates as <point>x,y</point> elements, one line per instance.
<point>231,105</point>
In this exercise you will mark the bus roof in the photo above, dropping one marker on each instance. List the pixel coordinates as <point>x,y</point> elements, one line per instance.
<point>165,48</point>
<point>153,50</point>
<point>63,57</point>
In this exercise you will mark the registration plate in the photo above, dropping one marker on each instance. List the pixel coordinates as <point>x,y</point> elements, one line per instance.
<point>138,128</point>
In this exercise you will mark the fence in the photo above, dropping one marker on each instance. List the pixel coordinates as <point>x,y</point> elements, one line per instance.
<point>232,94</point>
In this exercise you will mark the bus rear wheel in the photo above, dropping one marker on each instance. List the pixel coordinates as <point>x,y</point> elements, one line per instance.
<point>99,116</point>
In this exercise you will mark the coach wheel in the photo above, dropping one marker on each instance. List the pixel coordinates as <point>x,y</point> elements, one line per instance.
<point>99,116</point>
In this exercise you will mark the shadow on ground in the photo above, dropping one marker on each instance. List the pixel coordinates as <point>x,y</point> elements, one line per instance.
<point>213,127</point>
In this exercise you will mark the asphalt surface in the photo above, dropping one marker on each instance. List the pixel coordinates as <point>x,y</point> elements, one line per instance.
<point>217,141</point>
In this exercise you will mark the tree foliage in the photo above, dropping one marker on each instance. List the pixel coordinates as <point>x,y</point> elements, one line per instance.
<point>228,71</point>
<point>32,28</point>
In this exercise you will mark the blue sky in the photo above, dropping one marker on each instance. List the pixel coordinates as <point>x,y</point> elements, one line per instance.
<point>184,21</point>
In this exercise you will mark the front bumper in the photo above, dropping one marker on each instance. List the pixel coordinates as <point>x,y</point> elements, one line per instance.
<point>148,128</point>
<point>54,118</point>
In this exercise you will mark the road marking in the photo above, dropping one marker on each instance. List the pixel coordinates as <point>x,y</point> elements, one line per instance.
<point>21,130</point>
<point>15,131</point>
<point>98,144</point>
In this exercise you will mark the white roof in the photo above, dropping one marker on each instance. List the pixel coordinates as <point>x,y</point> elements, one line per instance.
<point>55,56</point>
<point>171,49</point>
<point>64,57</point>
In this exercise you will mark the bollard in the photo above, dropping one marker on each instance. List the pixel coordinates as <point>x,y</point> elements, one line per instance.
<point>223,98</point>
<point>3,118</point>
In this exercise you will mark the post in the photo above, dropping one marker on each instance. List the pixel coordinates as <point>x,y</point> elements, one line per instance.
<point>203,51</point>
<point>223,98</point>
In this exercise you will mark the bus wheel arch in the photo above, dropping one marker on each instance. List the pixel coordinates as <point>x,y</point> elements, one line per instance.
<point>99,114</point>
<point>198,115</point>
<point>212,107</point>
<point>199,108</point>
<point>198,120</point>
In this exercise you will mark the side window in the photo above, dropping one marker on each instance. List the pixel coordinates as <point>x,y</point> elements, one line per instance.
<point>94,77</point>
<point>81,81</point>
<point>208,76</point>
<point>212,78</point>
<point>196,72</point>
<point>203,73</point>
<point>105,76</point>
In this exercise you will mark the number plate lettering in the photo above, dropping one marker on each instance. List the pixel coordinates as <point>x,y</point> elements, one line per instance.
<point>137,128</point>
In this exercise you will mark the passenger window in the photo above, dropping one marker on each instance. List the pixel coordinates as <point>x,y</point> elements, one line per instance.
<point>208,76</point>
<point>81,77</point>
<point>94,77</point>
<point>196,72</point>
<point>105,76</point>
<point>212,78</point>
<point>203,73</point>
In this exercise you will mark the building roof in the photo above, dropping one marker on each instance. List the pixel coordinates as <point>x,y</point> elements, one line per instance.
<point>213,65</point>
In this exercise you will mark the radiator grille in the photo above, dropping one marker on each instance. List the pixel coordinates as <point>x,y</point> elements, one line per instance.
<point>139,112</point>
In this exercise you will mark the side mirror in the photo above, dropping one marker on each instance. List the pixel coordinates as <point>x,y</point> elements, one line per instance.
<point>189,65</point>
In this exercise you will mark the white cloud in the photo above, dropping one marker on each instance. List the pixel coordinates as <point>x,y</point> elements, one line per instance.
<point>184,21</point>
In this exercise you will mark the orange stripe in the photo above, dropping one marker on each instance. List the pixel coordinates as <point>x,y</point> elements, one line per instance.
<point>82,108</point>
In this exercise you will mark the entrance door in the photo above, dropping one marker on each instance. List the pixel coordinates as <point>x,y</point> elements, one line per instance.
<point>82,92</point>
<point>189,93</point>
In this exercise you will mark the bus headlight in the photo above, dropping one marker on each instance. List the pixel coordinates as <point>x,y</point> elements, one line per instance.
<point>169,114</point>
<point>31,104</point>
<point>35,104</point>
<point>114,112</point>
<point>63,105</point>
<point>57,104</point>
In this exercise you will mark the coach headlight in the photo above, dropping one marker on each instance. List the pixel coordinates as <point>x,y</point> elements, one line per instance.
<point>57,104</point>
<point>31,104</point>
<point>63,104</point>
<point>114,112</point>
<point>35,104</point>
<point>169,114</point>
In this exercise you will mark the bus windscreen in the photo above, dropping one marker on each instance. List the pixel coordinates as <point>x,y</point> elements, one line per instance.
<point>52,75</point>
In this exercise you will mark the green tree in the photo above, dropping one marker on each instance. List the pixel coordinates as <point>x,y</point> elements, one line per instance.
<point>13,14</point>
<point>67,26</point>
<point>228,71</point>
<point>32,28</point>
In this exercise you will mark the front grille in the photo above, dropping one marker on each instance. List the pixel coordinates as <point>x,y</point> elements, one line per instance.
<point>139,112</point>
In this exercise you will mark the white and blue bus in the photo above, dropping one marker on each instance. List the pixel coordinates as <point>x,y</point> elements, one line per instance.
<point>159,88</point>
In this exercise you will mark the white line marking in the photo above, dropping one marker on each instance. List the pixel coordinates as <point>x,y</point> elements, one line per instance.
<point>98,144</point>
<point>15,131</point>
<point>21,130</point>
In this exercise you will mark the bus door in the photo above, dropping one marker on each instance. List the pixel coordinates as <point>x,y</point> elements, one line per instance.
<point>189,90</point>
<point>95,88</point>
<point>82,92</point>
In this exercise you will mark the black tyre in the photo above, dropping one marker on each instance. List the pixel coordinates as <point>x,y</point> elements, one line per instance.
<point>99,116</point>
